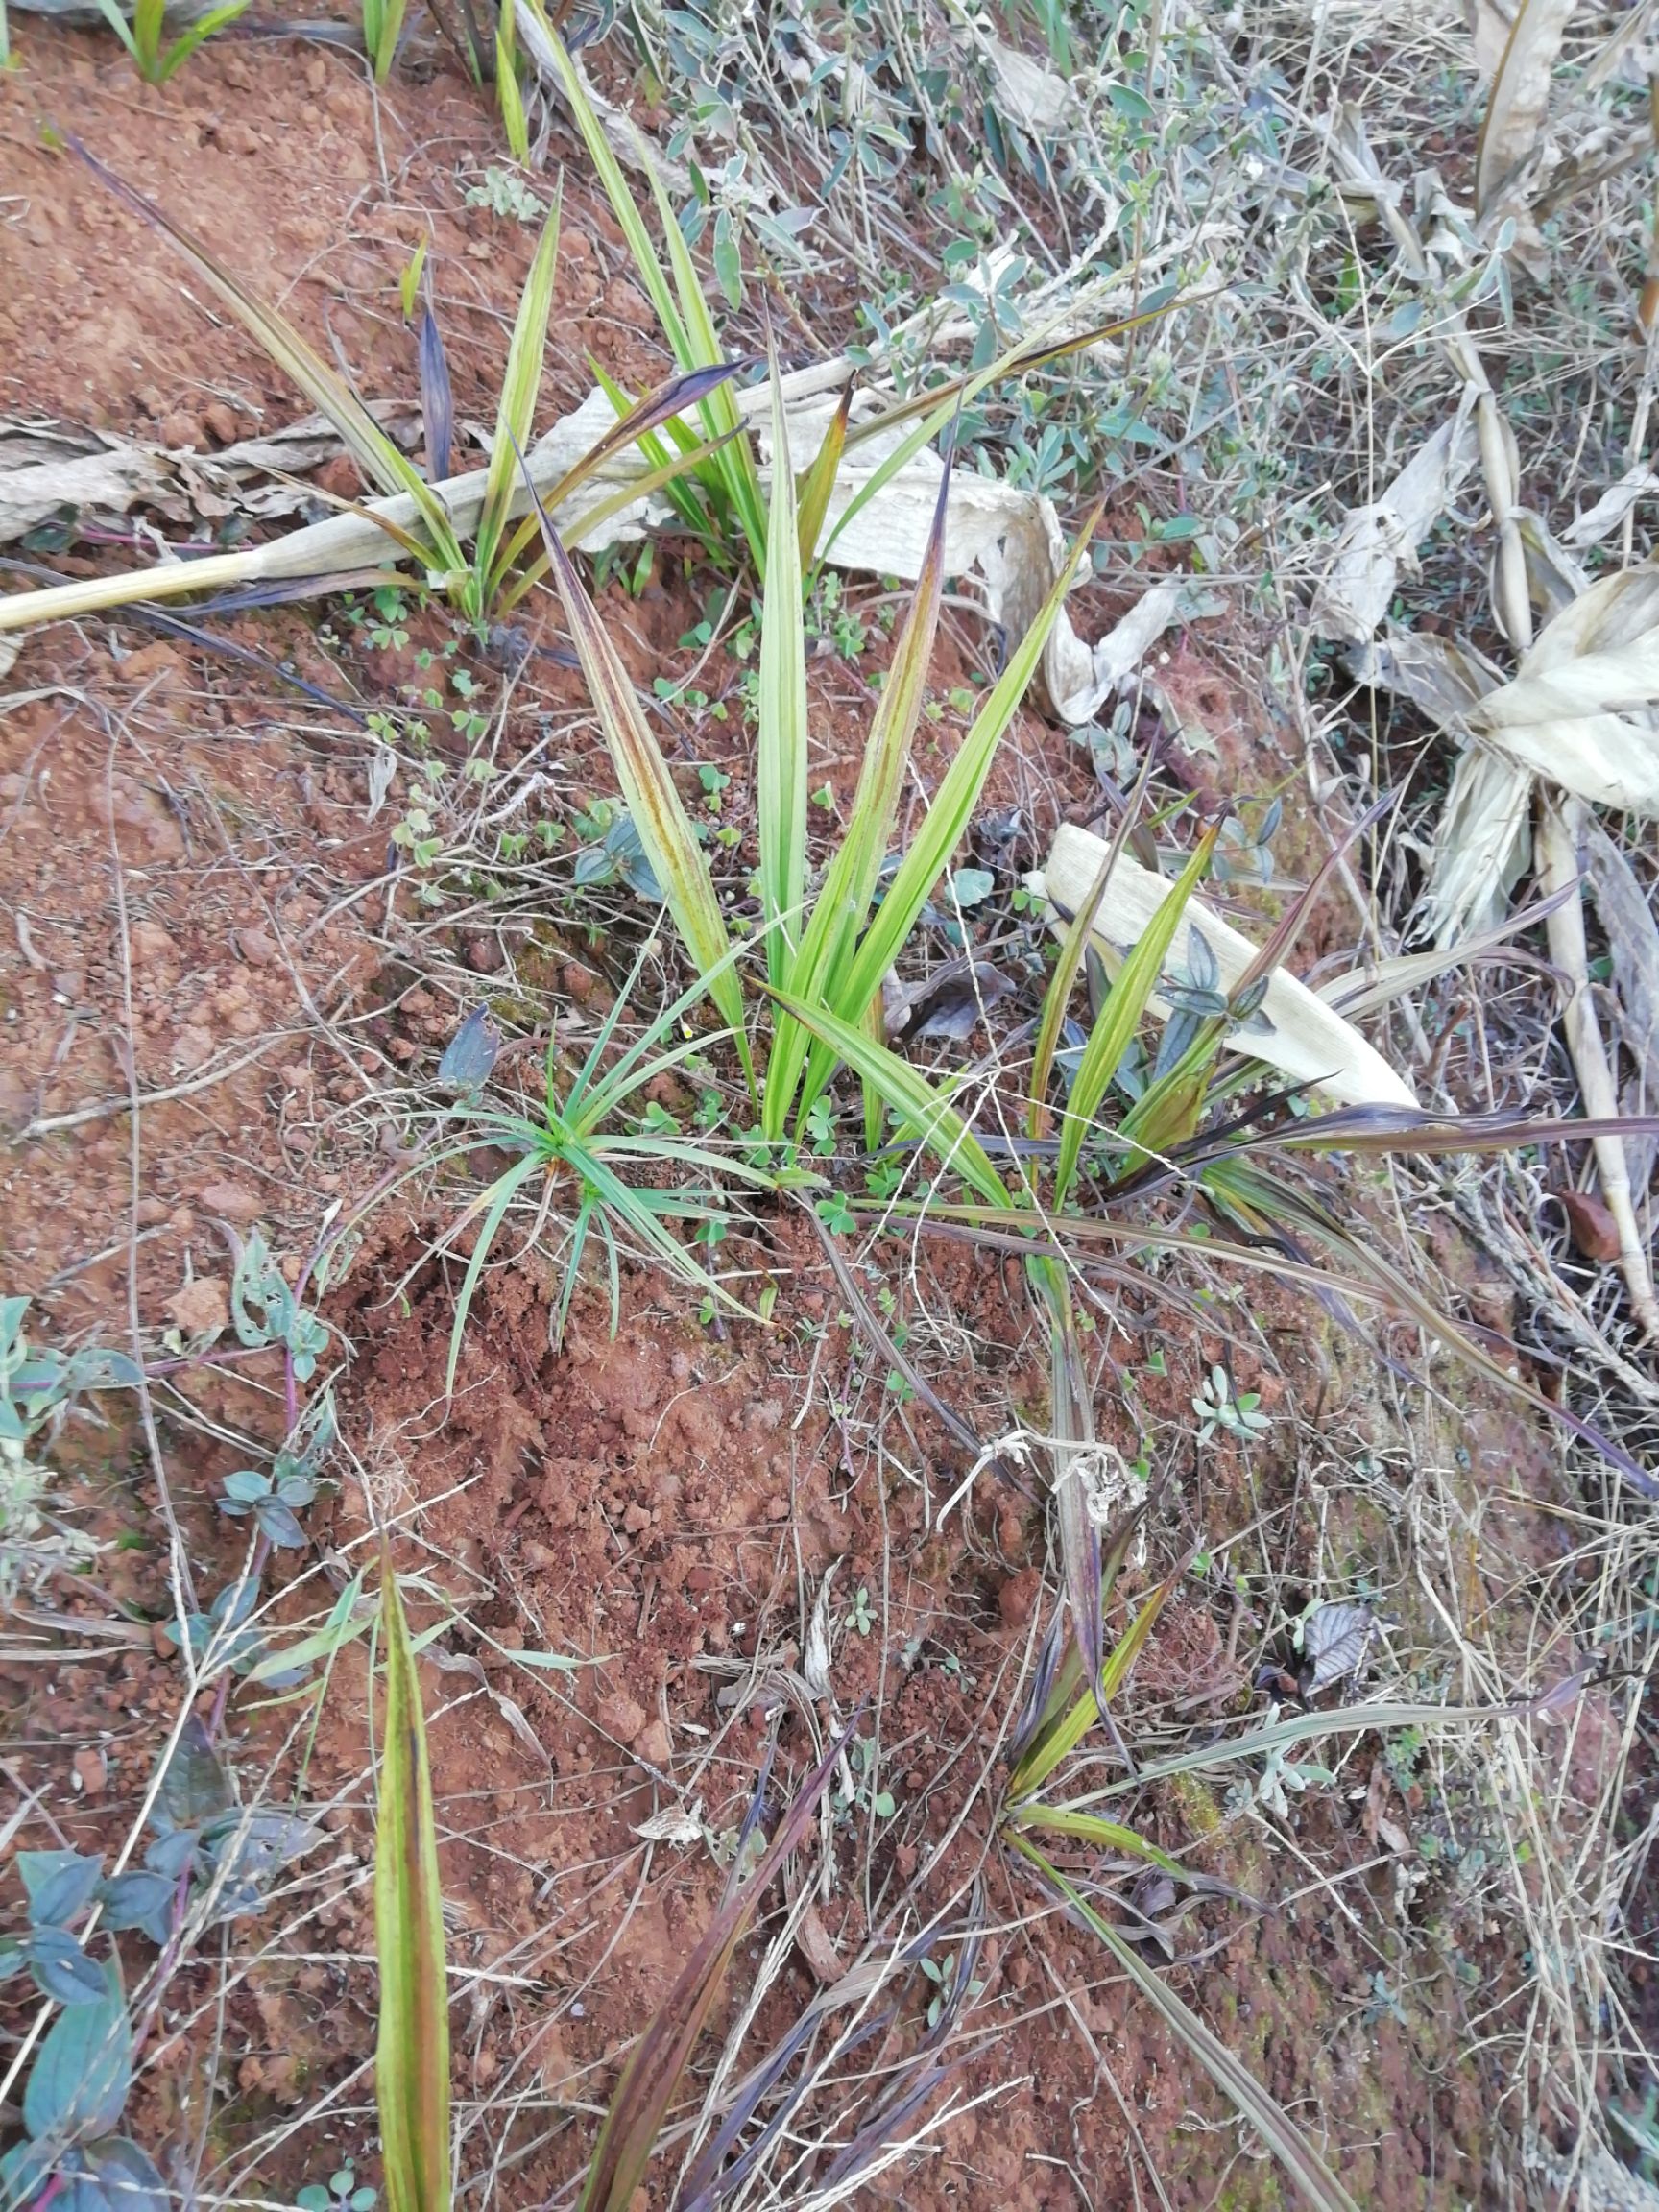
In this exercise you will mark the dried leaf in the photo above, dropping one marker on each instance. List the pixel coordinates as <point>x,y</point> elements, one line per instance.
<point>1306,1040</point>
<point>1557,866</point>
<point>1380,538</point>
<point>1520,96</point>
<point>1633,945</point>
<point>1334,1642</point>
<point>946,1004</point>
<point>675,1824</point>
<point>1598,523</point>
<point>1483,846</point>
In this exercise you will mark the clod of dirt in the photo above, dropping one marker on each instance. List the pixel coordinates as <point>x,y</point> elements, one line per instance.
<point>201,1307</point>
<point>621,1717</point>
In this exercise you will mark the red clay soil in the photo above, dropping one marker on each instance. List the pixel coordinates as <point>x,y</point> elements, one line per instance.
<point>202,915</point>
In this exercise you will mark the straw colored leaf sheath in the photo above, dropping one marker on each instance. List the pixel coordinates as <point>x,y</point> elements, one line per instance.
<point>412,2059</point>
<point>666,831</point>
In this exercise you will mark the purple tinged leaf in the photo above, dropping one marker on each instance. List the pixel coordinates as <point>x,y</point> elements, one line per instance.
<point>437,398</point>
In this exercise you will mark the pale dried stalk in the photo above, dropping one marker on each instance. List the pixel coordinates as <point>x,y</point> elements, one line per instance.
<point>1559,824</point>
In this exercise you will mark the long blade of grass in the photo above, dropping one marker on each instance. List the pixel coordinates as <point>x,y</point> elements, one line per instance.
<point>508,92</point>
<point>907,1092</point>
<point>652,2074</point>
<point>1093,1828</point>
<point>632,222</point>
<point>412,2057</point>
<point>515,408</point>
<point>949,816</point>
<point>1071,1422</point>
<point>198,35</point>
<point>737,464</point>
<point>665,833</point>
<point>817,483</point>
<point>781,742</point>
<point>1303,1727</point>
<point>493,1203</point>
<point>1122,1014</point>
<point>1318,2185</point>
<point>843,903</point>
<point>1057,997</point>
<point>375,454</point>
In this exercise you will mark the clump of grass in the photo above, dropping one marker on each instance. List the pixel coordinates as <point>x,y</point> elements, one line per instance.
<point>145,36</point>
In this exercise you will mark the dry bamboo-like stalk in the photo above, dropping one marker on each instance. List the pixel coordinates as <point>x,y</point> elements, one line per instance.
<point>1559,823</point>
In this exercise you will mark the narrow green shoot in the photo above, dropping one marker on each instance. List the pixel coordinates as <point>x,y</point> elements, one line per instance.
<point>857,982</point>
<point>780,745</point>
<point>508,90</point>
<point>1121,1015</point>
<point>143,38</point>
<point>682,310</point>
<point>382,28</point>
<point>412,2057</point>
<point>514,415</point>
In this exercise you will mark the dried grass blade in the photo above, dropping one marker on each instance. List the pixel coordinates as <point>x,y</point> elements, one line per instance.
<point>1520,95</point>
<point>1569,949</point>
<point>375,454</point>
<point>818,482</point>
<point>412,2057</point>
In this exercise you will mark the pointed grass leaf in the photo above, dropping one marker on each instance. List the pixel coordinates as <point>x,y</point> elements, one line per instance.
<point>839,913</point>
<point>1318,2186</point>
<point>654,2069</point>
<point>909,1095</point>
<point>937,839</point>
<point>1095,1828</point>
<point>197,35</point>
<point>515,408</point>
<point>412,2054</point>
<point>781,742</point>
<point>508,93</point>
<point>653,805</point>
<point>1122,1013</point>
